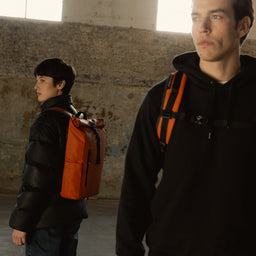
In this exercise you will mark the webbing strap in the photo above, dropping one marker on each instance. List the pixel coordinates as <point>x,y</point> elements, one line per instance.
<point>94,129</point>
<point>204,120</point>
<point>170,106</point>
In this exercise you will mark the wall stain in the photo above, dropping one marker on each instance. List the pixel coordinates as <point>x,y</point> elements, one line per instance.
<point>107,115</point>
<point>91,112</point>
<point>130,96</point>
<point>112,183</point>
<point>28,118</point>
<point>5,90</point>
<point>103,112</point>
<point>87,112</point>
<point>28,93</point>
<point>78,102</point>
<point>116,150</point>
<point>112,117</point>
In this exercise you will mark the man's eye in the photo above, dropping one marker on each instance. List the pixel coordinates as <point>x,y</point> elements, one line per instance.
<point>216,17</point>
<point>194,19</point>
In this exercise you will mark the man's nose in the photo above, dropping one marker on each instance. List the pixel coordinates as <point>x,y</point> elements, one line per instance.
<point>205,25</point>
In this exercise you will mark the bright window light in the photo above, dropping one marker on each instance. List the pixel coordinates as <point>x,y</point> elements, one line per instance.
<point>32,9</point>
<point>44,9</point>
<point>13,8</point>
<point>174,16</point>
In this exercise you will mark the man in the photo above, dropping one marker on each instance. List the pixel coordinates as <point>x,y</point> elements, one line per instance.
<point>205,202</point>
<point>43,221</point>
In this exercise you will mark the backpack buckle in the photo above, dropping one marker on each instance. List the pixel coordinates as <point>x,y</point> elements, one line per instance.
<point>166,114</point>
<point>199,120</point>
<point>162,146</point>
<point>169,114</point>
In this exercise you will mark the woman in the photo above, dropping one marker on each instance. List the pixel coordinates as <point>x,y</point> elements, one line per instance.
<point>43,221</point>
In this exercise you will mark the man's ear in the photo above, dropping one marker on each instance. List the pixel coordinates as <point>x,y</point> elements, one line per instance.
<point>61,84</point>
<point>244,26</point>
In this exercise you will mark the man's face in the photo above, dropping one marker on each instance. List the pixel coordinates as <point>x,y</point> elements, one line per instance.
<point>215,33</point>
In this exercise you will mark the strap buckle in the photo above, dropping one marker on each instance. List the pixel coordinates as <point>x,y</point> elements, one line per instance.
<point>162,146</point>
<point>169,114</point>
<point>199,120</point>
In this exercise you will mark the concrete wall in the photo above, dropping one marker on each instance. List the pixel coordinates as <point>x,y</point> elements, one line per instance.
<point>116,66</point>
<point>117,13</point>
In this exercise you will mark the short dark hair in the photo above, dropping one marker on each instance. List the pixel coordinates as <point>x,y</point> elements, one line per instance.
<point>59,71</point>
<point>243,8</point>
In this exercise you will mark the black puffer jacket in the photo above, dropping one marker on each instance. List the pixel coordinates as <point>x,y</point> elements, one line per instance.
<point>39,204</point>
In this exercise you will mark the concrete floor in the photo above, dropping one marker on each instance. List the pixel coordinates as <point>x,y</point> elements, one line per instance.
<point>96,235</point>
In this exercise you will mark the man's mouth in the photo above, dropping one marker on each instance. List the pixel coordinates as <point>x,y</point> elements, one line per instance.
<point>205,43</point>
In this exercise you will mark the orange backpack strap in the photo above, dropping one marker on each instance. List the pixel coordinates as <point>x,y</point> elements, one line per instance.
<point>62,110</point>
<point>65,111</point>
<point>170,106</point>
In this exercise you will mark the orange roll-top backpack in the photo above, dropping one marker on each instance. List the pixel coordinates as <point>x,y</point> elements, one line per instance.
<point>172,97</point>
<point>84,156</point>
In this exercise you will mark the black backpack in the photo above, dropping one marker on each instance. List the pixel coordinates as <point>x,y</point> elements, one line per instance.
<point>172,96</point>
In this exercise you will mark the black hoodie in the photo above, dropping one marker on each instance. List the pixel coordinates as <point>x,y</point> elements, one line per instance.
<point>205,202</point>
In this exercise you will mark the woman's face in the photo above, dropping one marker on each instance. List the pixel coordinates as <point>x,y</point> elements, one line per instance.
<point>45,88</point>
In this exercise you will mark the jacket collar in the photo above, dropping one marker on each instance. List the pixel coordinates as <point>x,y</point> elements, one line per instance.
<point>62,101</point>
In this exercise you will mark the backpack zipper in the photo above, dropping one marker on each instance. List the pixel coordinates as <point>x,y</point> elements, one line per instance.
<point>87,167</point>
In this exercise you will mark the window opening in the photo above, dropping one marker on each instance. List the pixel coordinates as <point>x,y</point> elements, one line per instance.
<point>50,10</point>
<point>174,16</point>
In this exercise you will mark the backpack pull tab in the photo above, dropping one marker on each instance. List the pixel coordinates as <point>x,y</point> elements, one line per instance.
<point>81,115</point>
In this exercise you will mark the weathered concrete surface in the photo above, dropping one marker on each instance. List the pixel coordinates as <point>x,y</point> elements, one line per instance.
<point>121,13</point>
<point>140,14</point>
<point>116,67</point>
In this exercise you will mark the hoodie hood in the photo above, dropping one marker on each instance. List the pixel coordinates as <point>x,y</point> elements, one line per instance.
<point>189,64</point>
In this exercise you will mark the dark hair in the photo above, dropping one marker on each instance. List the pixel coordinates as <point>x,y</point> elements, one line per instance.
<point>59,71</point>
<point>243,8</point>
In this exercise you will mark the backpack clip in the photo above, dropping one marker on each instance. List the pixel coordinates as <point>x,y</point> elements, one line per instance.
<point>199,120</point>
